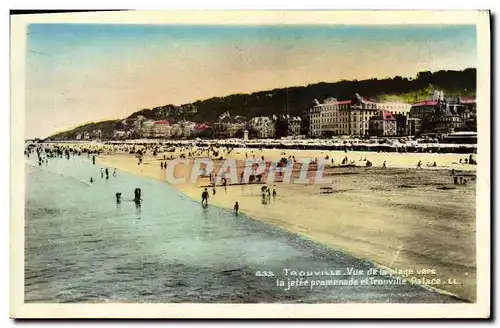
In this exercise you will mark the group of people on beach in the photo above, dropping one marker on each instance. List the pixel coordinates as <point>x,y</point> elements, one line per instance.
<point>470,160</point>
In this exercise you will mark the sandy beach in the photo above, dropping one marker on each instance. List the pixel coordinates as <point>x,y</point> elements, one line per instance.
<point>398,217</point>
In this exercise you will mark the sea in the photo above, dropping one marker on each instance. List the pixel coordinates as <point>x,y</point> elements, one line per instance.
<point>81,246</point>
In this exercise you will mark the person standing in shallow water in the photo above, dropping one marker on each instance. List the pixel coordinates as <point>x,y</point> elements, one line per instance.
<point>204,197</point>
<point>236,208</point>
<point>93,160</point>
<point>107,173</point>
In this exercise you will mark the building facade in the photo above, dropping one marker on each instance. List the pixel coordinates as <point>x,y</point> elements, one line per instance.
<point>413,126</point>
<point>383,125</point>
<point>444,116</point>
<point>294,125</point>
<point>349,117</point>
<point>264,126</point>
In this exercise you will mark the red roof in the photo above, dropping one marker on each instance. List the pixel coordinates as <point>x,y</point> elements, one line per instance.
<point>427,103</point>
<point>467,100</point>
<point>387,116</point>
<point>344,102</point>
<point>201,126</point>
<point>162,122</point>
<point>366,100</point>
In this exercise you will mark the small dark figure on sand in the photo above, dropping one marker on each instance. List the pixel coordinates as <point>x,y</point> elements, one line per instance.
<point>118,197</point>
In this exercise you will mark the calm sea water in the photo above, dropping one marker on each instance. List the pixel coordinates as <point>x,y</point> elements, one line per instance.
<point>81,246</point>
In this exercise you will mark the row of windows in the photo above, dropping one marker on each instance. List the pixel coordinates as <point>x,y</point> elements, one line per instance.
<point>345,126</point>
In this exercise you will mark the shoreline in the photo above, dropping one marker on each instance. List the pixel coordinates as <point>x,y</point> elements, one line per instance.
<point>346,238</point>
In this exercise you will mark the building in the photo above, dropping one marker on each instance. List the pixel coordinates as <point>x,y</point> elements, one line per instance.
<point>469,103</point>
<point>146,128</point>
<point>96,134</point>
<point>121,134</point>
<point>264,126</point>
<point>445,116</point>
<point>294,124</point>
<point>349,117</point>
<point>161,129</point>
<point>401,124</point>
<point>200,128</point>
<point>446,119</point>
<point>425,112</point>
<point>413,126</point>
<point>318,122</point>
<point>468,113</point>
<point>138,123</point>
<point>383,125</point>
<point>176,130</point>
<point>229,127</point>
<point>395,108</point>
<point>187,129</point>
<point>287,126</point>
<point>235,129</point>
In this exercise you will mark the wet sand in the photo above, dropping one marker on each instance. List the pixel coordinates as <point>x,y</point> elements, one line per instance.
<point>399,217</point>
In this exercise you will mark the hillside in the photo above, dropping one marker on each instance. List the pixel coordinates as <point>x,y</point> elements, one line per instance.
<point>106,128</point>
<point>299,99</point>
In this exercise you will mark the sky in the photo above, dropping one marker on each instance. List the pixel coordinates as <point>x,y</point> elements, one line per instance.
<point>80,73</point>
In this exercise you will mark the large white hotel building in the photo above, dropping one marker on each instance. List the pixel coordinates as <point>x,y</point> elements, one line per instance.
<point>349,117</point>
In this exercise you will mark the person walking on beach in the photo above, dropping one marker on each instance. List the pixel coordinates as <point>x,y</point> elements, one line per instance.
<point>236,208</point>
<point>107,173</point>
<point>419,165</point>
<point>383,165</point>
<point>93,160</point>
<point>204,197</point>
<point>213,189</point>
<point>274,193</point>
